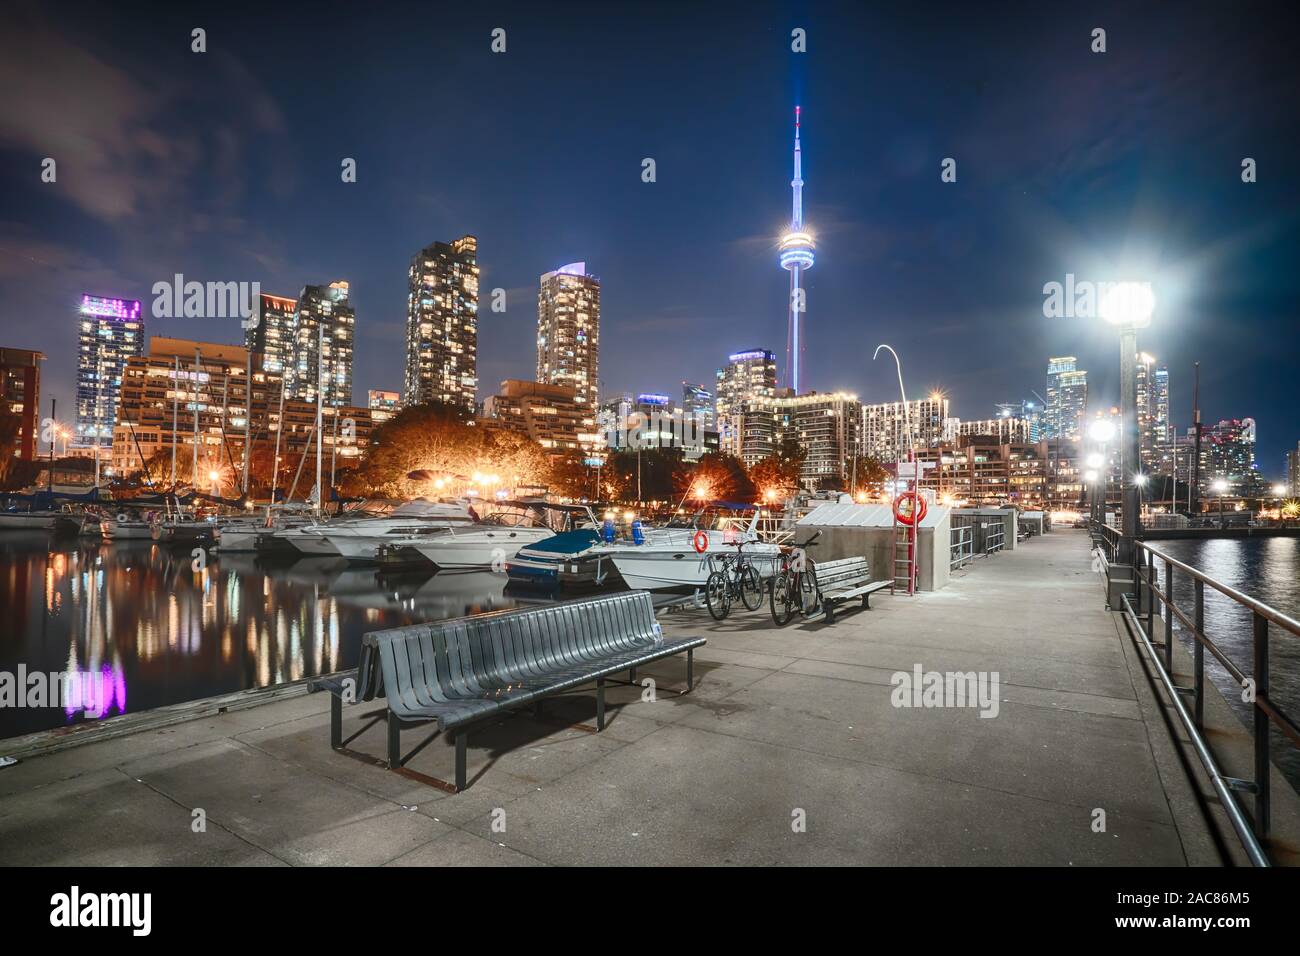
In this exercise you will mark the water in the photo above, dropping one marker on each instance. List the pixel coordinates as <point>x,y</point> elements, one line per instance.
<point>1267,569</point>
<point>153,632</point>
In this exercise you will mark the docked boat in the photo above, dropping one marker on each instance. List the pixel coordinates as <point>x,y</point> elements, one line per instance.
<point>28,520</point>
<point>362,532</point>
<point>669,558</point>
<point>566,561</point>
<point>242,533</point>
<point>126,526</point>
<point>491,542</point>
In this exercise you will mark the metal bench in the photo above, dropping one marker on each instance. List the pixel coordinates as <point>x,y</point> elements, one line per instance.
<point>464,670</point>
<point>843,579</point>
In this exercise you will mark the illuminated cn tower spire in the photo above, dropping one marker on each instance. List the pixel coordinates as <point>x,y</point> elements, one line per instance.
<point>796,256</point>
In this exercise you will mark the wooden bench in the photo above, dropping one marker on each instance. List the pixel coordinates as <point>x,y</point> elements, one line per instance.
<point>844,579</point>
<point>462,671</point>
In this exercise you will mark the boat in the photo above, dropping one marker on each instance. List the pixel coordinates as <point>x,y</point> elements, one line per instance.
<point>126,526</point>
<point>362,532</point>
<point>491,542</point>
<point>241,533</point>
<point>15,519</point>
<point>565,561</point>
<point>670,560</point>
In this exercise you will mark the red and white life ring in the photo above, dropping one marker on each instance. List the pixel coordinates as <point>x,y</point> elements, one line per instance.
<point>915,512</point>
<point>700,541</point>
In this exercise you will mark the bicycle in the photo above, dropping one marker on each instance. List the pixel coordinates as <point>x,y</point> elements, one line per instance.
<point>794,587</point>
<point>737,578</point>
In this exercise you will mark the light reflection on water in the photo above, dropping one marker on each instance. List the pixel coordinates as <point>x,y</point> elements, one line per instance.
<point>146,630</point>
<point>1267,569</point>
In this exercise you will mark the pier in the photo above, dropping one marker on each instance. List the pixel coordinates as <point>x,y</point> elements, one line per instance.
<point>792,749</point>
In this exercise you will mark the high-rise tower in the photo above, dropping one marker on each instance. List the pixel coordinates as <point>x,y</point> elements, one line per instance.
<point>568,332</point>
<point>796,256</point>
<point>442,325</point>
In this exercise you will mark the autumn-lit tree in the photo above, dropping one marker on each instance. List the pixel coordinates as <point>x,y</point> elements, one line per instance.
<point>716,476</point>
<point>436,442</point>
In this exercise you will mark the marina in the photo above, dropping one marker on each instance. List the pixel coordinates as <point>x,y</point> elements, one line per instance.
<point>801,716</point>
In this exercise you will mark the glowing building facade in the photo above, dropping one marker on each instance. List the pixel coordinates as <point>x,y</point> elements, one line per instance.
<point>1067,398</point>
<point>324,327</point>
<point>272,337</point>
<point>442,325</point>
<point>748,376</point>
<point>568,332</point>
<point>110,331</point>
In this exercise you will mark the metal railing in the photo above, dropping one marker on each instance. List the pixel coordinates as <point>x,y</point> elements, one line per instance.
<point>1264,710</point>
<point>961,549</point>
<point>995,535</point>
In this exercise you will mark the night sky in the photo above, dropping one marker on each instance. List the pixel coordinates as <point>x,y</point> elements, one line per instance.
<point>225,166</point>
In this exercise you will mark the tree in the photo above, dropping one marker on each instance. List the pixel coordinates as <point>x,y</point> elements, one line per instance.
<point>871,475</point>
<point>433,449</point>
<point>717,476</point>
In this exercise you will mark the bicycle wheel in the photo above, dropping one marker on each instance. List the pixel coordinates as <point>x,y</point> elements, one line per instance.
<point>751,588</point>
<point>806,598</point>
<point>717,595</point>
<point>780,600</point>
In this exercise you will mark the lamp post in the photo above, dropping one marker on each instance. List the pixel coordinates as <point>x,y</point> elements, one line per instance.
<point>1128,307</point>
<point>1140,479</point>
<point>1220,488</point>
<point>1101,431</point>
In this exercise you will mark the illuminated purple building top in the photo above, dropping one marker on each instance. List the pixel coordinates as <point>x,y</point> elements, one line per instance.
<point>104,307</point>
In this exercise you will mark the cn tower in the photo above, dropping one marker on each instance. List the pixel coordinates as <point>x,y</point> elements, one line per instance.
<point>796,256</point>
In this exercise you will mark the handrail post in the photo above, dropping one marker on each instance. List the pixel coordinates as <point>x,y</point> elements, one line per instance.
<point>1151,593</point>
<point>1169,617</point>
<point>1198,651</point>
<point>1263,766</point>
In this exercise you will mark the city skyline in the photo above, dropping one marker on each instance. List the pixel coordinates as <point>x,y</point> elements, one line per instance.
<point>898,255</point>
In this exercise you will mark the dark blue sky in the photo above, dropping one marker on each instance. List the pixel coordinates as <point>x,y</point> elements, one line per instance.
<point>225,166</point>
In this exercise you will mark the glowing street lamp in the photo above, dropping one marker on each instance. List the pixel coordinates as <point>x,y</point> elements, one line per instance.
<point>1220,487</point>
<point>1128,307</point>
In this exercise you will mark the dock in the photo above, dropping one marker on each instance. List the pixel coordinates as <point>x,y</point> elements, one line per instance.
<point>792,749</point>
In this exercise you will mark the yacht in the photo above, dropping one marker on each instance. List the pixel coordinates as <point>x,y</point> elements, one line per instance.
<point>362,534</point>
<point>492,541</point>
<point>668,558</point>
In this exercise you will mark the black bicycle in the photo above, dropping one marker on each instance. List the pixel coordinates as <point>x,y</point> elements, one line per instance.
<point>794,587</point>
<point>736,579</point>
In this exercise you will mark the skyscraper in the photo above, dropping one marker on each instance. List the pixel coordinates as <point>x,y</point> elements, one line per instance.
<point>272,337</point>
<point>326,358</point>
<point>885,426</point>
<point>1067,398</point>
<point>442,324</point>
<point>568,332</point>
<point>1228,452</point>
<point>747,376</point>
<point>698,401</point>
<point>796,256</point>
<point>110,332</point>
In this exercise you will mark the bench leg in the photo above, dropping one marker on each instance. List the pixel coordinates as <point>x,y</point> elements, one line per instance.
<point>462,742</point>
<point>600,703</point>
<point>690,670</point>
<point>631,675</point>
<point>394,741</point>
<point>336,721</point>
<point>829,608</point>
<point>866,600</point>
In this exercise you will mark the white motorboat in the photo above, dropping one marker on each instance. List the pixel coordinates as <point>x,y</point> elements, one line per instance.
<point>669,559</point>
<point>363,534</point>
<point>43,520</point>
<point>242,533</point>
<point>491,542</point>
